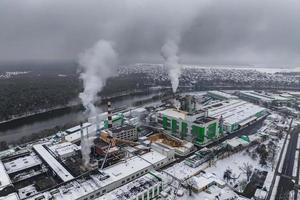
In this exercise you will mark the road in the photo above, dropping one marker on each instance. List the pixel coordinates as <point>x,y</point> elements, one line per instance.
<point>286,173</point>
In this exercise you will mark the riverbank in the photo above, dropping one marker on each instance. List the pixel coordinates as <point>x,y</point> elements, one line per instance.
<point>28,128</point>
<point>33,127</point>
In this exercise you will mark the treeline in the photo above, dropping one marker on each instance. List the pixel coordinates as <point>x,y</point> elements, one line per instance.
<point>51,86</point>
<point>42,88</point>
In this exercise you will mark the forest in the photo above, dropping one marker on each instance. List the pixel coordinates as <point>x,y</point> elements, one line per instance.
<point>48,86</point>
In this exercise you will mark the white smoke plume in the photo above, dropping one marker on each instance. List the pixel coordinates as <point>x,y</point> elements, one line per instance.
<point>86,144</point>
<point>169,52</point>
<point>98,64</point>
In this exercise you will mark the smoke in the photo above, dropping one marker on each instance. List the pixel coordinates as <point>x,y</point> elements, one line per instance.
<point>86,144</point>
<point>177,29</point>
<point>98,64</point>
<point>169,52</point>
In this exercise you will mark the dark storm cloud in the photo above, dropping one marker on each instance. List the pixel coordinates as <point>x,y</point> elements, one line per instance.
<point>219,31</point>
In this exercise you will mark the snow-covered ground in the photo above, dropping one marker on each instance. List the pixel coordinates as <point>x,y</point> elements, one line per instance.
<point>182,171</point>
<point>235,163</point>
<point>211,193</point>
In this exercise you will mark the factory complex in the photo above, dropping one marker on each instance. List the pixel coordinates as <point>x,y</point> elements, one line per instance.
<point>212,120</point>
<point>135,153</point>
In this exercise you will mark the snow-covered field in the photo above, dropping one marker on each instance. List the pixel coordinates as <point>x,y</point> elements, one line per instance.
<point>235,163</point>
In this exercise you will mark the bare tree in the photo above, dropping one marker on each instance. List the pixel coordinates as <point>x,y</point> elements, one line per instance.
<point>247,168</point>
<point>227,174</point>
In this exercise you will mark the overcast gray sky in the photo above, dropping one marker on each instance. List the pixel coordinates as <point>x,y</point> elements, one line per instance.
<point>212,31</point>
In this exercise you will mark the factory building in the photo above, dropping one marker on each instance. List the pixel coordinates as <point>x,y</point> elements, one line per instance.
<point>146,187</point>
<point>264,98</point>
<point>94,124</point>
<point>75,137</point>
<point>4,178</point>
<point>203,181</point>
<point>236,114</point>
<point>65,150</point>
<point>12,196</point>
<point>77,128</point>
<point>125,132</point>
<point>196,127</point>
<point>199,157</point>
<point>22,164</point>
<point>101,182</point>
<point>221,95</point>
<point>57,168</point>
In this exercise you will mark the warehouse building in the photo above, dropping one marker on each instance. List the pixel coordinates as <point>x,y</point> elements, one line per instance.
<point>221,95</point>
<point>57,168</point>
<point>77,128</point>
<point>146,187</point>
<point>236,114</point>
<point>22,164</point>
<point>12,196</point>
<point>264,98</point>
<point>4,178</point>
<point>101,182</point>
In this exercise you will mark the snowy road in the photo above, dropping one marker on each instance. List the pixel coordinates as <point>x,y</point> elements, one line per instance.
<point>288,169</point>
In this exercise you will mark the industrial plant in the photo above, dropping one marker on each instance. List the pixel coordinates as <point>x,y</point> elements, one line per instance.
<point>162,150</point>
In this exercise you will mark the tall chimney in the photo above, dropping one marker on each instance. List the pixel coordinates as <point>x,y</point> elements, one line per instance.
<point>109,115</point>
<point>97,124</point>
<point>81,132</point>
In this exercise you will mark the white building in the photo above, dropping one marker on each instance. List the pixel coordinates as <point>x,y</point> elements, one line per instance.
<point>56,167</point>
<point>22,163</point>
<point>112,177</point>
<point>12,196</point>
<point>65,149</point>
<point>125,132</point>
<point>146,187</point>
<point>263,98</point>
<point>4,178</point>
<point>236,114</point>
<point>77,128</point>
<point>202,182</point>
<point>221,95</point>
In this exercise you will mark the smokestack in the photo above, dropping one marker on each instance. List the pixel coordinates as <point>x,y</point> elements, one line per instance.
<point>109,115</point>
<point>87,132</point>
<point>97,124</point>
<point>81,131</point>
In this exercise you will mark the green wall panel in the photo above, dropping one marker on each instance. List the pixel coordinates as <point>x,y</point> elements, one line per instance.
<point>174,125</point>
<point>165,122</point>
<point>184,129</point>
<point>199,132</point>
<point>211,130</point>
